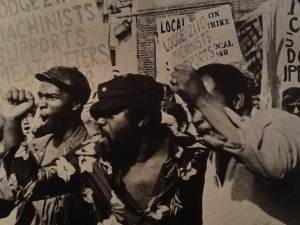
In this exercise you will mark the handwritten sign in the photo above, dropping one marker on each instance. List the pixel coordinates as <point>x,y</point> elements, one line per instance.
<point>170,24</point>
<point>211,37</point>
<point>289,63</point>
<point>249,30</point>
<point>166,27</point>
<point>281,67</point>
<point>289,60</point>
<point>37,35</point>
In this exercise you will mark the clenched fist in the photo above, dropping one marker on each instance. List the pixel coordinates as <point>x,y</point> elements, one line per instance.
<point>16,104</point>
<point>186,83</point>
<point>180,77</point>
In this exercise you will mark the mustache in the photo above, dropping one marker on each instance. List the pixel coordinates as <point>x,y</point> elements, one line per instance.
<point>103,133</point>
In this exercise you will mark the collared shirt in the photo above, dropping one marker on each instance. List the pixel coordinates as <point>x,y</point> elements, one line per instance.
<point>262,180</point>
<point>59,210</point>
<point>175,199</point>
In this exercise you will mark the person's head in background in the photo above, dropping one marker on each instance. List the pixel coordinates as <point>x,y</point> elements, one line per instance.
<point>291,100</point>
<point>175,117</point>
<point>27,124</point>
<point>89,122</point>
<point>169,95</point>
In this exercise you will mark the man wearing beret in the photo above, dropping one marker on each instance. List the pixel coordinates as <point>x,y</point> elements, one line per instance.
<point>62,93</point>
<point>134,173</point>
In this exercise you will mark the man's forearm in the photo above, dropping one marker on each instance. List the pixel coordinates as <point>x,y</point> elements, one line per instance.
<point>214,112</point>
<point>12,134</point>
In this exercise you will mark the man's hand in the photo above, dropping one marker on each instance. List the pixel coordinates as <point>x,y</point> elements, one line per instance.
<point>16,104</point>
<point>186,83</point>
<point>180,78</point>
<point>213,140</point>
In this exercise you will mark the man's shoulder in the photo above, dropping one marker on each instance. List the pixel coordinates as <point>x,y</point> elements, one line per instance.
<point>79,136</point>
<point>39,142</point>
<point>277,125</point>
<point>80,133</point>
<point>274,112</point>
<point>276,116</point>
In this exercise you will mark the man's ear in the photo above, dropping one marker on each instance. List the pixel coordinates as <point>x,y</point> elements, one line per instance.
<point>239,101</point>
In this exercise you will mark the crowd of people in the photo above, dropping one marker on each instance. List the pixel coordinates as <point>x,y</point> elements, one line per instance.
<point>136,156</point>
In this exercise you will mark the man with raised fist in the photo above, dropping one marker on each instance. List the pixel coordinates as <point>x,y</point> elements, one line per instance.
<point>58,127</point>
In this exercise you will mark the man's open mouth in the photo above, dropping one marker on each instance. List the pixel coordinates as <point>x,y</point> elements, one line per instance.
<point>40,122</point>
<point>43,120</point>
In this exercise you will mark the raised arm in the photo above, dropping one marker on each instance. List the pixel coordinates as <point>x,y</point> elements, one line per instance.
<point>271,143</point>
<point>191,88</point>
<point>268,144</point>
<point>15,106</point>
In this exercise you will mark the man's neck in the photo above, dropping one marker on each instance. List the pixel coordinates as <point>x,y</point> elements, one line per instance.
<point>151,143</point>
<point>64,131</point>
<point>141,177</point>
<point>148,149</point>
<point>138,150</point>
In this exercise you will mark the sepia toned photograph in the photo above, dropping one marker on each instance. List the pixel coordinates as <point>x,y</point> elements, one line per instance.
<point>150,112</point>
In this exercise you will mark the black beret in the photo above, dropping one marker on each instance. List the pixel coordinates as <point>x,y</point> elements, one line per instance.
<point>68,79</point>
<point>126,90</point>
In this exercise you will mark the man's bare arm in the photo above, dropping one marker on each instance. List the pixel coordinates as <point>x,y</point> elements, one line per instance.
<point>193,91</point>
<point>15,106</point>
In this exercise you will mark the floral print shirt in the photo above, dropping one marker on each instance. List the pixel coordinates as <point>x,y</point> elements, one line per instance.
<point>176,197</point>
<point>62,209</point>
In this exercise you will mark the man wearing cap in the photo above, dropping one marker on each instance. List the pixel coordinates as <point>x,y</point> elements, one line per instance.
<point>135,173</point>
<point>62,93</point>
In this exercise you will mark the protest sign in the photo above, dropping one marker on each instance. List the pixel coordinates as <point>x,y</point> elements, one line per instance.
<point>170,24</point>
<point>37,35</point>
<point>249,30</point>
<point>166,26</point>
<point>289,59</point>
<point>282,57</point>
<point>211,37</point>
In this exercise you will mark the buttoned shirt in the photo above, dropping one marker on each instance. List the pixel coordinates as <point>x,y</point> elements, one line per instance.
<point>175,198</point>
<point>261,182</point>
<point>63,209</point>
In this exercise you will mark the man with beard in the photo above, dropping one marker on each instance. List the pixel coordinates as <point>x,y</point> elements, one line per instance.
<point>62,93</point>
<point>134,174</point>
<point>253,168</point>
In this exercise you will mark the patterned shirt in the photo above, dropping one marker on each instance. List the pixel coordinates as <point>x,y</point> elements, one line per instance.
<point>62,209</point>
<point>175,199</point>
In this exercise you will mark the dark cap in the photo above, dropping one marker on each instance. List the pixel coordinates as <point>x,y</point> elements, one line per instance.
<point>126,90</point>
<point>69,79</point>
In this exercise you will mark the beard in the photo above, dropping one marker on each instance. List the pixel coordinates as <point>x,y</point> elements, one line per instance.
<point>122,151</point>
